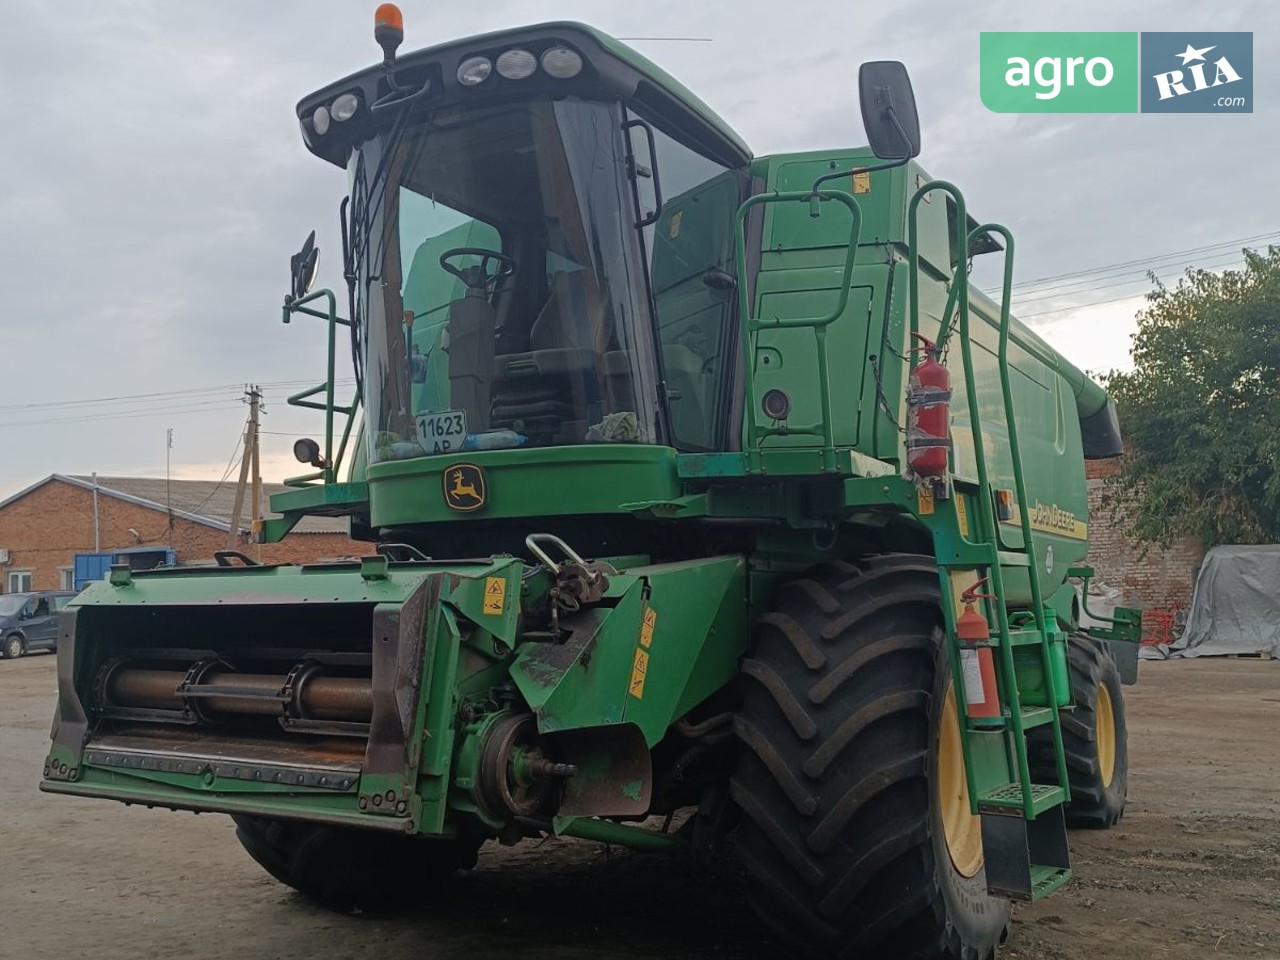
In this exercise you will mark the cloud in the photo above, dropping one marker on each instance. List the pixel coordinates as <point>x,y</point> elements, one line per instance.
<point>155,183</point>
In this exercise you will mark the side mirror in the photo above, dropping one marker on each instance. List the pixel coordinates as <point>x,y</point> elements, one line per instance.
<point>303,267</point>
<point>889,110</point>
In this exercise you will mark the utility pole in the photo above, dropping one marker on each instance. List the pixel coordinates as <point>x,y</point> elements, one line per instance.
<point>255,407</point>
<point>247,459</point>
<point>168,483</point>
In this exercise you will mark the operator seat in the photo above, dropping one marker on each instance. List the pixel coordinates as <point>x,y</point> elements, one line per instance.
<point>572,373</point>
<point>470,329</point>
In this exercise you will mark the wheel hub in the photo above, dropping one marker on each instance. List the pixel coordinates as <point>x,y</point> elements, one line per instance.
<point>961,828</point>
<point>1105,730</point>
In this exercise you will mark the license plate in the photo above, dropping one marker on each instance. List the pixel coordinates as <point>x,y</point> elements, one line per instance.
<point>442,432</point>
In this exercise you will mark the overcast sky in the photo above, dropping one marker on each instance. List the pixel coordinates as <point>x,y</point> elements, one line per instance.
<point>153,184</point>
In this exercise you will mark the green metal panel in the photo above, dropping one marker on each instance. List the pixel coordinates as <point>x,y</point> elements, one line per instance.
<point>547,481</point>
<point>672,638</point>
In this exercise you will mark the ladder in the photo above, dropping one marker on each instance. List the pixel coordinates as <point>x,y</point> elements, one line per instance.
<point>1023,826</point>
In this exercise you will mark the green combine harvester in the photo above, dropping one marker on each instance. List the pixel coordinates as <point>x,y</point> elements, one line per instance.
<point>832,497</point>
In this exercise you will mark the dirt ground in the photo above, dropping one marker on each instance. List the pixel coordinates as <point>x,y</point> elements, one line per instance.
<point>1192,871</point>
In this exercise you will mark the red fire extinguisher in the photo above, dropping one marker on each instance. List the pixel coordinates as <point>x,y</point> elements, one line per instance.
<point>928,413</point>
<point>982,700</point>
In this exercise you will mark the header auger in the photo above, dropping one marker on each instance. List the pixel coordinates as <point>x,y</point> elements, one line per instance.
<point>678,467</point>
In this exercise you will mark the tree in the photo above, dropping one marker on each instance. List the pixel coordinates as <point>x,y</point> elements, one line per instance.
<point>1200,411</point>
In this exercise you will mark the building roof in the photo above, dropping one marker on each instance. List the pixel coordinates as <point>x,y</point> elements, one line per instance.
<point>209,502</point>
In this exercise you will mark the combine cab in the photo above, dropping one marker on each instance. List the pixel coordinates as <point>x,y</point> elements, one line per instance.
<point>697,486</point>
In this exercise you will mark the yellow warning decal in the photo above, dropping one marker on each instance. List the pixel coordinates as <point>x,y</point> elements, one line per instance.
<point>646,626</point>
<point>495,595</point>
<point>639,667</point>
<point>862,182</point>
<point>924,501</point>
<point>962,515</point>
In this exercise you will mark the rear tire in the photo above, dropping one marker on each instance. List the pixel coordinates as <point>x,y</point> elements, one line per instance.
<point>14,647</point>
<point>348,869</point>
<point>842,831</point>
<point>1094,738</point>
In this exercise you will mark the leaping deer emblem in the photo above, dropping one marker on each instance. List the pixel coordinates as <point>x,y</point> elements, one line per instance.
<point>461,489</point>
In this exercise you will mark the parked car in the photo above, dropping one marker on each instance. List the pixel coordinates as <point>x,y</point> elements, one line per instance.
<point>29,621</point>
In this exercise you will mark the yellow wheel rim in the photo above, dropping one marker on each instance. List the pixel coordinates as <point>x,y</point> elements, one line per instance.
<point>1105,730</point>
<point>961,829</point>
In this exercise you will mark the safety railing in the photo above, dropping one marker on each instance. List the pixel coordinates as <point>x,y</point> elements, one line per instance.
<point>958,305</point>
<point>328,473</point>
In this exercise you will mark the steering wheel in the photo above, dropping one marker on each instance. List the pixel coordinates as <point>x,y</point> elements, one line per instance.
<point>479,276</point>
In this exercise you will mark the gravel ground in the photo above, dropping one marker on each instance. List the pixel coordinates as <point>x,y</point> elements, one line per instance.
<point>1192,871</point>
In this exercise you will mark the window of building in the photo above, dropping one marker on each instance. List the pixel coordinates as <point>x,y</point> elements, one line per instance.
<point>19,581</point>
<point>66,578</point>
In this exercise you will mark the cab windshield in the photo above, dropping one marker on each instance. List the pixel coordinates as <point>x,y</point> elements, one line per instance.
<point>503,293</point>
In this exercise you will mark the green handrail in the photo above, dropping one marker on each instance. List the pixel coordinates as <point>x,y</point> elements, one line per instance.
<point>1020,490</point>
<point>986,509</point>
<point>752,325</point>
<point>329,473</point>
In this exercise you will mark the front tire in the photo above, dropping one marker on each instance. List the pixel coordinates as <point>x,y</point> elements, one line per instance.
<point>1094,738</point>
<point>846,824</point>
<point>14,647</point>
<point>348,869</point>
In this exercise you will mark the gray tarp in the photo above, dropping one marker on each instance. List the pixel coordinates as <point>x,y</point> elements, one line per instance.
<point>1236,607</point>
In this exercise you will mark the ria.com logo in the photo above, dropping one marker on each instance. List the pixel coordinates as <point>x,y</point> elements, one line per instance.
<point>1100,72</point>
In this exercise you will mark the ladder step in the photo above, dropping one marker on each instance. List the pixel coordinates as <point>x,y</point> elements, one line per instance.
<point>1045,880</point>
<point>1036,717</point>
<point>1008,798</point>
<point>1024,638</point>
<point>1011,558</point>
<point>1031,717</point>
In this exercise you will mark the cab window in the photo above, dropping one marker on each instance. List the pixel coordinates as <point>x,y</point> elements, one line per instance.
<point>691,256</point>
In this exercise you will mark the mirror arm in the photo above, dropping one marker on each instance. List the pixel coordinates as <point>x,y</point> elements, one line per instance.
<point>893,116</point>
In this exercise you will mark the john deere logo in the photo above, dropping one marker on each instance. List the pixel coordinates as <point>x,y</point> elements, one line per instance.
<point>464,488</point>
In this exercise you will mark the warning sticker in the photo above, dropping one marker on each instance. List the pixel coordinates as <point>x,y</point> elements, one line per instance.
<point>962,515</point>
<point>639,667</point>
<point>971,669</point>
<point>646,626</point>
<point>495,595</point>
<point>924,501</point>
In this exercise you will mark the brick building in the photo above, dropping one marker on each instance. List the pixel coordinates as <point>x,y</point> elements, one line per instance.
<point>1163,579</point>
<point>43,527</point>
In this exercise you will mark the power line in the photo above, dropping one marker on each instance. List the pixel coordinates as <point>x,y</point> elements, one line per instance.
<point>123,406</point>
<point>140,399</point>
<point>225,474</point>
<point>1081,306</point>
<point>1180,263</point>
<point>1097,303</point>
<point>1140,261</point>
<point>205,407</point>
<point>1211,264</point>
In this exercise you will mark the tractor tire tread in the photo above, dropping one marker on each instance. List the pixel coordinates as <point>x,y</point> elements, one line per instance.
<point>833,778</point>
<point>1093,804</point>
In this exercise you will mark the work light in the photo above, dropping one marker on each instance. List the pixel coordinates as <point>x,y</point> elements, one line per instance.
<point>561,62</point>
<point>344,107</point>
<point>517,64</point>
<point>320,120</point>
<point>474,71</point>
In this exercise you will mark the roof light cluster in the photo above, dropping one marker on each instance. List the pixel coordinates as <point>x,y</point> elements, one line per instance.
<point>343,108</point>
<point>517,63</point>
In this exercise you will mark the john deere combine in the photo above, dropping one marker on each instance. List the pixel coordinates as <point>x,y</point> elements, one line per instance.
<point>832,500</point>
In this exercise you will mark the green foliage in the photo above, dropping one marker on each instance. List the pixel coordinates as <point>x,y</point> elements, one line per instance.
<point>1200,410</point>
